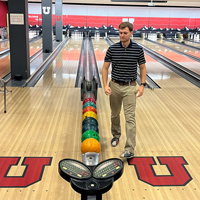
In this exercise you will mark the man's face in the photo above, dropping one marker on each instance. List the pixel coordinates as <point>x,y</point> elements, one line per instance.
<point>125,34</point>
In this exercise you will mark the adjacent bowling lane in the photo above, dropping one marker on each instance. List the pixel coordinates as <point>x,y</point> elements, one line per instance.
<point>100,47</point>
<point>4,66</point>
<point>35,47</point>
<point>63,70</point>
<point>180,47</point>
<point>189,43</point>
<point>5,62</point>
<point>4,45</point>
<point>181,59</point>
<point>163,76</point>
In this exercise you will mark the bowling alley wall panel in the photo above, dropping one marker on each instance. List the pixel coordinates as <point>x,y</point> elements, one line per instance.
<point>138,22</point>
<point>91,15</point>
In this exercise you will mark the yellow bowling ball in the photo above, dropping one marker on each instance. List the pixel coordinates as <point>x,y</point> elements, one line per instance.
<point>89,114</point>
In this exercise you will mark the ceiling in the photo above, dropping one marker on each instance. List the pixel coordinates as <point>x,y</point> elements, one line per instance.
<point>170,3</point>
<point>176,3</point>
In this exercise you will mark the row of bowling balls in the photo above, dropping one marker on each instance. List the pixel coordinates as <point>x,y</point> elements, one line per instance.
<point>90,132</point>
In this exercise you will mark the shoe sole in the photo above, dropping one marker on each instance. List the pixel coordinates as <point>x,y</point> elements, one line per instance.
<point>127,157</point>
<point>114,145</point>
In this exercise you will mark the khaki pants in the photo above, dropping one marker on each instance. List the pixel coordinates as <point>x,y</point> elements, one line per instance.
<point>127,96</point>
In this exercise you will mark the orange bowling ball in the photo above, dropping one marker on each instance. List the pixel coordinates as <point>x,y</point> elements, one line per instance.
<point>90,145</point>
<point>89,108</point>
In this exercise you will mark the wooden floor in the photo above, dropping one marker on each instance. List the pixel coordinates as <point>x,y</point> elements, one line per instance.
<point>45,121</point>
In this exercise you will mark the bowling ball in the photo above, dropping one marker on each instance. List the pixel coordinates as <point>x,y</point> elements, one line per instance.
<point>90,134</point>
<point>90,145</point>
<point>90,120</point>
<point>89,114</point>
<point>89,104</point>
<point>87,127</point>
<point>89,108</point>
<point>89,100</point>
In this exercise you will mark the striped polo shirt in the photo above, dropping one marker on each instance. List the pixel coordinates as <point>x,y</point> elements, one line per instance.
<point>125,61</point>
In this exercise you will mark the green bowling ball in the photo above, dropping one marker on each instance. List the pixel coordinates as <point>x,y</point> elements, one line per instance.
<point>89,104</point>
<point>90,134</point>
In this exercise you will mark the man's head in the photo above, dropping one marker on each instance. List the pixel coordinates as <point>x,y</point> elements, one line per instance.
<point>126,24</point>
<point>125,31</point>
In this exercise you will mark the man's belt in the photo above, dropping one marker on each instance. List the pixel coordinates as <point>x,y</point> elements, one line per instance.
<point>124,83</point>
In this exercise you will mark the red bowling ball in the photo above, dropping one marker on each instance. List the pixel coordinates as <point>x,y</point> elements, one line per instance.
<point>89,100</point>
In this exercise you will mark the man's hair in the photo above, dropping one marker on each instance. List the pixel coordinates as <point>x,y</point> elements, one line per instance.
<point>126,24</point>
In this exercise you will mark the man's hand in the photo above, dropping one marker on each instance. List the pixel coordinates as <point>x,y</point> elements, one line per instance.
<point>140,91</point>
<point>105,78</point>
<point>107,90</point>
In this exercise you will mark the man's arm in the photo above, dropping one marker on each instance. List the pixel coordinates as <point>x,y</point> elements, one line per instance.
<point>107,89</point>
<point>140,90</point>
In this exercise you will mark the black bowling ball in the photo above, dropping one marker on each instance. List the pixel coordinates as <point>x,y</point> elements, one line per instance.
<point>87,127</point>
<point>90,120</point>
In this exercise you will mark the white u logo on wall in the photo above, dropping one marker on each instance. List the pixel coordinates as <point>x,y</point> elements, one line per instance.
<point>46,10</point>
<point>131,20</point>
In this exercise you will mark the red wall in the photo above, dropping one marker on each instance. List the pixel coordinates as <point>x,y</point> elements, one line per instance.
<point>139,22</point>
<point>3,12</point>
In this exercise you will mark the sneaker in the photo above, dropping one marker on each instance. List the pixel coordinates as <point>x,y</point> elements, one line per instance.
<point>126,154</point>
<point>114,142</point>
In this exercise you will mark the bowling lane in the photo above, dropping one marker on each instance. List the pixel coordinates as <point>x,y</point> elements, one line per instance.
<point>4,66</point>
<point>189,42</point>
<point>180,47</point>
<point>163,76</point>
<point>4,45</point>
<point>100,47</point>
<point>35,47</point>
<point>63,70</point>
<point>5,62</point>
<point>181,59</point>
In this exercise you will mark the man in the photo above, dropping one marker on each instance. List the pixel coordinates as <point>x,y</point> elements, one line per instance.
<point>125,56</point>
